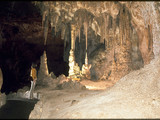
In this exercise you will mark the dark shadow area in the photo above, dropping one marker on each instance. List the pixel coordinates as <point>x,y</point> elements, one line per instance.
<point>16,58</point>
<point>55,52</point>
<point>17,53</point>
<point>14,109</point>
<point>18,9</point>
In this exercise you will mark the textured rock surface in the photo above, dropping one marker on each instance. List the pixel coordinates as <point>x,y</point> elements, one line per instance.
<point>2,99</point>
<point>97,17</point>
<point>126,27</point>
<point>134,96</point>
<point>37,111</point>
<point>125,36</point>
<point>73,85</point>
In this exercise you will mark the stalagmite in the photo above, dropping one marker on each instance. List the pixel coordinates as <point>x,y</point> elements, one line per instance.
<point>74,70</point>
<point>43,71</point>
<point>86,67</point>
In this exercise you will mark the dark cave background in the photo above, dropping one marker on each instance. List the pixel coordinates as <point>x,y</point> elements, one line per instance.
<point>21,44</point>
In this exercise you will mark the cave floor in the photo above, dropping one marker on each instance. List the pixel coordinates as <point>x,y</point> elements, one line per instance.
<point>134,96</point>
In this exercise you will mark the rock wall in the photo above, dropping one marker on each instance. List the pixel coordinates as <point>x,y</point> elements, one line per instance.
<point>122,53</point>
<point>129,31</point>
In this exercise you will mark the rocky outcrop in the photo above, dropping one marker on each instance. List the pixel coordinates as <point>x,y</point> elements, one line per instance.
<point>2,99</point>
<point>37,111</point>
<point>126,29</point>
<point>122,52</point>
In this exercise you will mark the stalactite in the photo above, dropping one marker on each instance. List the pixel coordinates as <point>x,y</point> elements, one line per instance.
<point>114,31</point>
<point>127,26</point>
<point>63,29</point>
<point>105,27</point>
<point>102,27</point>
<point>56,21</point>
<point>43,18</point>
<point>107,30</point>
<point>79,34</point>
<point>72,37</point>
<point>79,25</point>
<point>86,39</point>
<point>46,31</point>
<point>85,29</point>
<point>102,35</point>
<point>121,25</point>
<point>124,25</point>
<point>111,32</point>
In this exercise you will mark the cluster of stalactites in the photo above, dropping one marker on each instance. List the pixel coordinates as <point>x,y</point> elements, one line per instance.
<point>82,14</point>
<point>95,14</point>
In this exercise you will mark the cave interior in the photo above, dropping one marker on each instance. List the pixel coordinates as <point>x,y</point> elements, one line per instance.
<point>113,38</point>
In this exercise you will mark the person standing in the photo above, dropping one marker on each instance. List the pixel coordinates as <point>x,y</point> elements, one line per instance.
<point>34,79</point>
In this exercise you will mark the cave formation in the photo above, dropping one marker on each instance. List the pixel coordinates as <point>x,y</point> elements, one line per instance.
<point>112,38</point>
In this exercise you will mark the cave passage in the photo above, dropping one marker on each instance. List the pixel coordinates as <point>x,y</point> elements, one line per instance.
<point>16,109</point>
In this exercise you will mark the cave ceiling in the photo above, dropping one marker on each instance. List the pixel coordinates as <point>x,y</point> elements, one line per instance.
<point>93,13</point>
<point>96,15</point>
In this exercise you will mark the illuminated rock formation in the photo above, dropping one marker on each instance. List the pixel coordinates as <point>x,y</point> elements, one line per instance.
<point>131,29</point>
<point>86,69</point>
<point>43,71</point>
<point>74,70</point>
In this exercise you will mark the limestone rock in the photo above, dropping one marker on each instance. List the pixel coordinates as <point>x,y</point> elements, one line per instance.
<point>2,99</point>
<point>52,75</point>
<point>37,111</point>
<point>74,85</point>
<point>43,71</point>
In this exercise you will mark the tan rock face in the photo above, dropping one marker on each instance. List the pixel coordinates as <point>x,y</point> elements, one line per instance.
<point>129,30</point>
<point>116,61</point>
<point>140,17</point>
